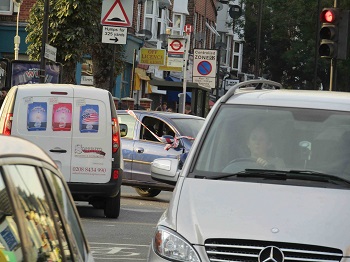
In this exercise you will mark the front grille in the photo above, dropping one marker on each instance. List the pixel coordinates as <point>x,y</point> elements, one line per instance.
<point>241,250</point>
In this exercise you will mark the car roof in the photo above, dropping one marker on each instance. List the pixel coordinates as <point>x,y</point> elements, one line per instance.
<point>11,146</point>
<point>316,99</point>
<point>53,84</point>
<point>160,114</point>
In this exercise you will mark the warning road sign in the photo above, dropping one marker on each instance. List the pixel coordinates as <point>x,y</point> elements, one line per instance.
<point>204,63</point>
<point>117,13</point>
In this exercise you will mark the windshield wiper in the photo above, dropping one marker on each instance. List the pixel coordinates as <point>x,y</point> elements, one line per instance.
<point>306,175</point>
<point>259,173</point>
<point>317,176</point>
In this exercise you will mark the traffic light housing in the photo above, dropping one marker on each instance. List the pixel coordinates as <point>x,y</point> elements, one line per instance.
<point>334,33</point>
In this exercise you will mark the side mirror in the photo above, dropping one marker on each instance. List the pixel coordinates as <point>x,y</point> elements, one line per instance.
<point>165,170</point>
<point>123,130</point>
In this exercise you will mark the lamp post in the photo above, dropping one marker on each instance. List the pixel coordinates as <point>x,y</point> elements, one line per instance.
<point>17,39</point>
<point>44,41</point>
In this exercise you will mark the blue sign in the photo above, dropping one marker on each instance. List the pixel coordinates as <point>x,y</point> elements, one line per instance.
<point>204,68</point>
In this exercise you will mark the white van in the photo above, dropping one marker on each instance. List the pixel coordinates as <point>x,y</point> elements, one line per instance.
<point>78,127</point>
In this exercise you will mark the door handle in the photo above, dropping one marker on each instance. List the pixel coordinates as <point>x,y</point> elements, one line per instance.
<point>140,150</point>
<point>58,150</point>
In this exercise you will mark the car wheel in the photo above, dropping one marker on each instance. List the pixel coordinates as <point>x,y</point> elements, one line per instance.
<point>147,192</point>
<point>112,208</point>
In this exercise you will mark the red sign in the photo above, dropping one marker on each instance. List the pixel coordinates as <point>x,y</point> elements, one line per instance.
<point>188,28</point>
<point>176,45</point>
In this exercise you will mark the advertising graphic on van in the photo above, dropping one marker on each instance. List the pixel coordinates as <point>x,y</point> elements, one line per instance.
<point>62,117</point>
<point>89,152</point>
<point>37,116</point>
<point>89,119</point>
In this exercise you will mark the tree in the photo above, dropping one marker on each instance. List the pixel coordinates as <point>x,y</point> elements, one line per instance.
<point>288,51</point>
<point>75,30</point>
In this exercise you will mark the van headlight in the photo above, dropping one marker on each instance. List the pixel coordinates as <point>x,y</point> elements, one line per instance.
<point>170,245</point>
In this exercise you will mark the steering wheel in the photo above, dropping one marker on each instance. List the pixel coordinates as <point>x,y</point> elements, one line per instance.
<point>240,164</point>
<point>243,159</point>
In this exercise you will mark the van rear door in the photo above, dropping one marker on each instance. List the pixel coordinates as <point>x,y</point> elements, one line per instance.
<point>44,116</point>
<point>92,136</point>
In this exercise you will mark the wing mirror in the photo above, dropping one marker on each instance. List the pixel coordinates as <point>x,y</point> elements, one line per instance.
<point>123,130</point>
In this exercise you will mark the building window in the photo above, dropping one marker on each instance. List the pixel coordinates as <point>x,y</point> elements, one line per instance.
<point>236,49</point>
<point>156,19</point>
<point>178,24</point>
<point>6,7</point>
<point>236,64</point>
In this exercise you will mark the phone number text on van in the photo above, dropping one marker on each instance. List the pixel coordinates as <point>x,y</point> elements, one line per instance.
<point>89,170</point>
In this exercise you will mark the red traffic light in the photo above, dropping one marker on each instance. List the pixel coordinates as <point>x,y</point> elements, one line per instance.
<point>329,15</point>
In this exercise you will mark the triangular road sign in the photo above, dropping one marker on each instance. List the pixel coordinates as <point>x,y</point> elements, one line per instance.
<point>116,16</point>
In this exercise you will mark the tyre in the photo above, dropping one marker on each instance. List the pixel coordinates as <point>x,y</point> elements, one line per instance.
<point>147,192</point>
<point>112,207</point>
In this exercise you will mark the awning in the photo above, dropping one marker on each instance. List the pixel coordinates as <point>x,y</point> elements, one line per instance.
<point>212,29</point>
<point>176,86</point>
<point>172,78</point>
<point>173,96</point>
<point>140,74</point>
<point>180,6</point>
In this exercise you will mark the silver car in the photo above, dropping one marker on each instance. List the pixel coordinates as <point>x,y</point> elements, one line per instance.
<point>267,179</point>
<point>38,218</point>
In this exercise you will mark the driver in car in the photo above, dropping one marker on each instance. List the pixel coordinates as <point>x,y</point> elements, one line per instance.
<point>260,147</point>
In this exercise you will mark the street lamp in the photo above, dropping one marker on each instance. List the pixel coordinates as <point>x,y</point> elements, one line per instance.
<point>17,39</point>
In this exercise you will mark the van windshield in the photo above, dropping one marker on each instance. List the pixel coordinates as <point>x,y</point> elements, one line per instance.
<point>274,138</point>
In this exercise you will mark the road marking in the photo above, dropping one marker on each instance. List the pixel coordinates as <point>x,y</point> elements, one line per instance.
<point>109,251</point>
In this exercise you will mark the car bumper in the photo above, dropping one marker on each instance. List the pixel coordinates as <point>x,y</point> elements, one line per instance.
<point>86,191</point>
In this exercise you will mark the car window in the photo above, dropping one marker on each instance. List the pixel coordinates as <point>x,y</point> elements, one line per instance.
<point>73,226</point>
<point>157,127</point>
<point>188,126</point>
<point>10,244</point>
<point>39,217</point>
<point>130,122</point>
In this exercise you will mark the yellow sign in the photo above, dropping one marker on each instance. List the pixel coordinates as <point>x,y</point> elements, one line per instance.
<point>150,56</point>
<point>170,68</point>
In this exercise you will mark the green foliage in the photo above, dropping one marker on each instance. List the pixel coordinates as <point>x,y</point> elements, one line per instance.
<point>74,29</point>
<point>288,48</point>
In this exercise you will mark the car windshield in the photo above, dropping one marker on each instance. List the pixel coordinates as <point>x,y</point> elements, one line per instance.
<point>188,126</point>
<point>293,140</point>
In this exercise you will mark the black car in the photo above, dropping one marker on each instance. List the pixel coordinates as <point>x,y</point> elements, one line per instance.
<point>146,141</point>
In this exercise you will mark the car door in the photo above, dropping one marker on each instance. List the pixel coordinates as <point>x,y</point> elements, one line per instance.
<point>128,141</point>
<point>147,147</point>
<point>44,117</point>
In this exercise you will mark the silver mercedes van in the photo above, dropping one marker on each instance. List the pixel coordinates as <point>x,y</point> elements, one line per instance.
<point>267,179</point>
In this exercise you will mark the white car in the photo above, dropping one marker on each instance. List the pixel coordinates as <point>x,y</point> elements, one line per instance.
<point>267,179</point>
<point>38,218</point>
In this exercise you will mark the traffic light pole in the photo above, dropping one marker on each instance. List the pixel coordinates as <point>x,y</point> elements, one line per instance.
<point>332,74</point>
<point>333,67</point>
